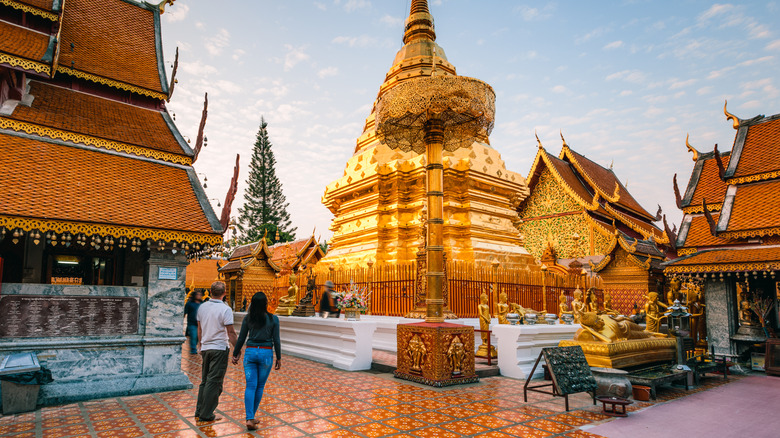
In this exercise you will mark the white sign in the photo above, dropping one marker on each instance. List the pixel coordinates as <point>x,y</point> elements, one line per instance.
<point>168,273</point>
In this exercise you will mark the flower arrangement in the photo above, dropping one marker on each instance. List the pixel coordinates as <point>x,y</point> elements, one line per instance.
<point>354,297</point>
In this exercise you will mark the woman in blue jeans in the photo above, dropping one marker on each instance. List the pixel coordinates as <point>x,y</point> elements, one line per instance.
<point>260,331</point>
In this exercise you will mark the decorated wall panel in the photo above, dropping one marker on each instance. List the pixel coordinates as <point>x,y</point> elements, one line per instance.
<point>547,198</point>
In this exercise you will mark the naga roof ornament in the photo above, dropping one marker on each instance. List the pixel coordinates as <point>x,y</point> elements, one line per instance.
<point>692,149</point>
<point>735,121</point>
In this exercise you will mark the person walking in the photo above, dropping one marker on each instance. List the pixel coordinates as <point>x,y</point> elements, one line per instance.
<point>216,334</point>
<point>328,306</point>
<point>191,312</point>
<point>260,330</point>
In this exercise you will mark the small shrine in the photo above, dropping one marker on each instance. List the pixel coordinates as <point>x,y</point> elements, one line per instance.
<point>256,267</point>
<point>728,239</point>
<point>100,206</point>
<point>579,210</point>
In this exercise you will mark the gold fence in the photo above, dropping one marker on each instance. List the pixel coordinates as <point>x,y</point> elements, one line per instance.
<point>392,287</point>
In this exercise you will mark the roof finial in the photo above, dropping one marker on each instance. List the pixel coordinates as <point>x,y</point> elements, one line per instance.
<point>564,140</point>
<point>735,121</point>
<point>539,142</point>
<point>611,164</point>
<point>419,25</point>
<point>691,149</point>
<point>161,6</point>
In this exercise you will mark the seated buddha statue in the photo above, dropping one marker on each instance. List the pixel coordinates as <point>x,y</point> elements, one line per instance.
<point>608,328</point>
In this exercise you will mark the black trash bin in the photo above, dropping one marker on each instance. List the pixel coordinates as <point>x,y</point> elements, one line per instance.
<point>21,377</point>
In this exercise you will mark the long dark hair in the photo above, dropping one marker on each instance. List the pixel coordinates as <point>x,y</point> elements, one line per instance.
<point>258,310</point>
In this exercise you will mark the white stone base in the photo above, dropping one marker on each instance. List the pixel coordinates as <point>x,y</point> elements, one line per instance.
<point>344,344</point>
<point>519,346</point>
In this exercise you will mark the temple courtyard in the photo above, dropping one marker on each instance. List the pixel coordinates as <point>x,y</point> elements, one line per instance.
<point>307,398</point>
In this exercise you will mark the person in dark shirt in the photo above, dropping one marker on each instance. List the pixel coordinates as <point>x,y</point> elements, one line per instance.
<point>260,331</point>
<point>191,312</point>
<point>328,306</point>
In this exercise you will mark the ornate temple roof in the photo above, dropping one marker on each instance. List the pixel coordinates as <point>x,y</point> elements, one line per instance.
<point>705,183</point>
<point>102,118</point>
<point>86,144</point>
<point>586,182</point>
<point>744,202</point>
<point>727,260</point>
<point>115,40</point>
<point>23,42</point>
<point>281,256</point>
<point>50,181</point>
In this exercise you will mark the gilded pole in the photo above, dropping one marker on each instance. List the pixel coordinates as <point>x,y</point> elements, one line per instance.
<point>434,145</point>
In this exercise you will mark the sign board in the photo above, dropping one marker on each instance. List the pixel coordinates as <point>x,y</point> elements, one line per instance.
<point>166,273</point>
<point>38,316</point>
<point>569,369</point>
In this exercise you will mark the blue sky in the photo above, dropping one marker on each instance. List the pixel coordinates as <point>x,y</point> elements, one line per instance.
<point>624,81</point>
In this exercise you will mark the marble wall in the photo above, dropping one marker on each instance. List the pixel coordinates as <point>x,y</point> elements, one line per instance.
<point>89,367</point>
<point>720,298</point>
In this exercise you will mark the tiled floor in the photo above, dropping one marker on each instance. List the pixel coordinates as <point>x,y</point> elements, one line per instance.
<point>306,398</point>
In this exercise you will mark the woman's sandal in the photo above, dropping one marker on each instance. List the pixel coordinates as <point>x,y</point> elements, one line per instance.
<point>251,424</point>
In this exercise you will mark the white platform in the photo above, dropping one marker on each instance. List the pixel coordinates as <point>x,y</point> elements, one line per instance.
<point>344,344</point>
<point>348,345</point>
<point>519,345</point>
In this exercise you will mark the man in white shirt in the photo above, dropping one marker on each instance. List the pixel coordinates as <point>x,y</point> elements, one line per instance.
<point>216,335</point>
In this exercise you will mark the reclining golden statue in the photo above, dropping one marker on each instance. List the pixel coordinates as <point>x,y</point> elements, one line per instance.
<point>617,342</point>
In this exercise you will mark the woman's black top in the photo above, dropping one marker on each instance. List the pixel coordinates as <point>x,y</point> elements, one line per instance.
<point>265,336</point>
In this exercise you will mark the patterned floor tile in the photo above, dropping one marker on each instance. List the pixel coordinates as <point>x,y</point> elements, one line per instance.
<point>434,432</point>
<point>118,423</point>
<point>379,414</point>
<point>166,426</point>
<point>433,417</point>
<point>490,421</point>
<point>525,432</point>
<point>405,423</point>
<point>550,426</point>
<point>316,426</point>
<point>463,427</point>
<point>59,432</point>
<point>128,432</point>
<point>375,430</point>
<point>222,429</point>
<point>348,420</point>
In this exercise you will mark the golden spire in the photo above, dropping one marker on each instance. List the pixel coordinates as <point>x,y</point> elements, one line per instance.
<point>564,140</point>
<point>691,149</point>
<point>539,142</point>
<point>419,25</point>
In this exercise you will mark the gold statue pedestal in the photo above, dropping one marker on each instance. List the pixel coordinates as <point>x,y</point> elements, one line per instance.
<point>628,353</point>
<point>284,311</point>
<point>482,351</point>
<point>436,353</point>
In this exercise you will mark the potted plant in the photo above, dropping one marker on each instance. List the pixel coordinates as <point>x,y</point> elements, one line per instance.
<point>353,302</point>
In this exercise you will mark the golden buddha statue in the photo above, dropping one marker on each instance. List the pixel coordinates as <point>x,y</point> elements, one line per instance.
<point>417,352</point>
<point>746,315</point>
<point>484,324</point>
<point>502,308</point>
<point>287,303</point>
<point>674,291</point>
<point>608,305</point>
<point>563,308</point>
<point>577,306</point>
<point>697,320</point>
<point>608,328</point>
<point>455,355</point>
<point>653,313</point>
<point>593,304</point>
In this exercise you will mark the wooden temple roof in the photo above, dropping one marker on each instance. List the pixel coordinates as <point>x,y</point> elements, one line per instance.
<point>46,180</point>
<point>744,203</point>
<point>23,42</point>
<point>89,147</point>
<point>77,112</point>
<point>115,40</point>
<point>281,256</point>
<point>586,182</point>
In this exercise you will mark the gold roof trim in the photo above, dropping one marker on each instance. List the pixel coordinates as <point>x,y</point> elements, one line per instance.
<point>97,142</point>
<point>567,153</point>
<point>693,209</point>
<point>588,205</point>
<point>686,251</point>
<point>31,9</point>
<point>754,178</point>
<point>750,233</point>
<point>111,83</point>
<point>726,267</point>
<point>602,264</point>
<point>26,64</point>
<point>90,229</point>
<point>660,238</point>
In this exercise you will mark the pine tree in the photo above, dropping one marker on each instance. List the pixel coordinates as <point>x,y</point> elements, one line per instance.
<point>265,207</point>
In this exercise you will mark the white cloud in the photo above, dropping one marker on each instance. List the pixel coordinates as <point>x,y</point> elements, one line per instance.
<point>625,93</point>
<point>559,89</point>
<point>238,54</point>
<point>676,85</point>
<point>391,21</point>
<point>294,56</point>
<point>529,13</point>
<point>176,13</point>
<point>329,71</point>
<point>613,45</point>
<point>774,45</point>
<point>592,34</point>
<point>704,90</point>
<point>353,5</point>
<point>633,76</point>
<point>358,41</point>
<point>321,6</point>
<point>216,43</point>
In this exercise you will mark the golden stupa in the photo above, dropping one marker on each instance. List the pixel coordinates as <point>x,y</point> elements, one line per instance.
<point>379,202</point>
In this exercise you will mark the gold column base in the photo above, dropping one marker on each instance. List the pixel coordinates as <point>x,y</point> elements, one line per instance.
<point>482,351</point>
<point>437,360</point>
